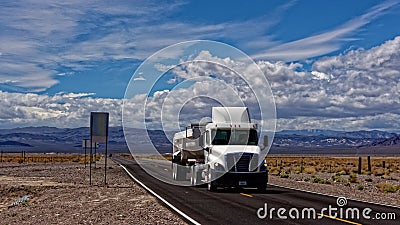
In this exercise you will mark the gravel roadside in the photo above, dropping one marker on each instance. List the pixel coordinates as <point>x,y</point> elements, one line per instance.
<point>60,194</point>
<point>370,192</point>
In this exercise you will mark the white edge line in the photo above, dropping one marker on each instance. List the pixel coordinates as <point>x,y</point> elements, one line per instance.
<point>313,192</point>
<point>160,198</point>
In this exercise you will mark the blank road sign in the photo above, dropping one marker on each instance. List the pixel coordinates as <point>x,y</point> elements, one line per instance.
<point>85,143</point>
<point>99,126</point>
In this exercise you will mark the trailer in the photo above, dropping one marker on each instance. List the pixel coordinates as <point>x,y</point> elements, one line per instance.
<point>224,152</point>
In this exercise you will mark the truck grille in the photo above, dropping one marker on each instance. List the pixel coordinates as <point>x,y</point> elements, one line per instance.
<point>245,162</point>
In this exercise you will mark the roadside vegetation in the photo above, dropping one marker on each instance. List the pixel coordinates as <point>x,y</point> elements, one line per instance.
<point>45,158</point>
<point>382,175</point>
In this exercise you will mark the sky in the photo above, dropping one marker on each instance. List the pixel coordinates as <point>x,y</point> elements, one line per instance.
<point>329,64</point>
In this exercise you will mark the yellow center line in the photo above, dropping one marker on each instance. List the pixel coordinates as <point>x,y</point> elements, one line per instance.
<point>339,219</point>
<point>247,195</point>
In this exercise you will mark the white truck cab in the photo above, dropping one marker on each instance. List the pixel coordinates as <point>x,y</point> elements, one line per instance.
<point>222,153</point>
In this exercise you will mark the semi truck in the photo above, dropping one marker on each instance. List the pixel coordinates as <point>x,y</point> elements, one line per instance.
<point>224,152</point>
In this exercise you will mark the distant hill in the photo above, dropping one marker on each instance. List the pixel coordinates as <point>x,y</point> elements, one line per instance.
<point>13,143</point>
<point>388,142</point>
<point>45,139</point>
<point>328,138</point>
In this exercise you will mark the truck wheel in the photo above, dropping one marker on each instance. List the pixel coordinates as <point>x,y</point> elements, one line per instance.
<point>194,176</point>
<point>211,186</point>
<point>262,188</point>
<point>174,168</point>
<point>180,172</point>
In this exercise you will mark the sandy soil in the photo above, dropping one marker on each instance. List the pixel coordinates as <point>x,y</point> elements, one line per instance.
<point>60,194</point>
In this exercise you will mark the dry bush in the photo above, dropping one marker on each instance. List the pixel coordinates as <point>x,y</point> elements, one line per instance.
<point>379,172</point>
<point>310,170</point>
<point>387,188</point>
<point>274,170</point>
<point>46,158</point>
<point>353,178</point>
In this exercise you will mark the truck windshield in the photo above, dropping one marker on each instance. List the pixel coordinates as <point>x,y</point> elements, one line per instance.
<point>234,137</point>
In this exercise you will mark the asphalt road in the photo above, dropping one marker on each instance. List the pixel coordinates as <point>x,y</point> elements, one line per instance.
<point>240,206</point>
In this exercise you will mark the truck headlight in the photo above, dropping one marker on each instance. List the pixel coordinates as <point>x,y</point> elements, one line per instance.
<point>218,167</point>
<point>264,165</point>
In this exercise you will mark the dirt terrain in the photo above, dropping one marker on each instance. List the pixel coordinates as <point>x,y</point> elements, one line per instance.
<point>59,190</point>
<point>339,176</point>
<point>59,193</point>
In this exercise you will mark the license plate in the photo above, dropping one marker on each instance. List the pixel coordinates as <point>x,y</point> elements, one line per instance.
<point>242,183</point>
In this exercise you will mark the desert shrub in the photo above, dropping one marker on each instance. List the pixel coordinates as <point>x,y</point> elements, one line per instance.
<point>307,179</point>
<point>312,163</point>
<point>387,188</point>
<point>320,180</point>
<point>310,170</point>
<point>353,178</point>
<point>297,170</point>
<point>379,172</point>
<point>369,179</point>
<point>338,179</point>
<point>284,175</point>
<point>274,170</point>
<point>342,172</point>
<point>360,187</point>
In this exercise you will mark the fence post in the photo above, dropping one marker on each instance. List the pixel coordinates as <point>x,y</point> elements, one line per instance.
<point>369,163</point>
<point>359,165</point>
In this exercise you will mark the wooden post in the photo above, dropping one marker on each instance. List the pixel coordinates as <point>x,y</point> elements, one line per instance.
<point>369,163</point>
<point>384,165</point>
<point>359,165</point>
<point>301,166</point>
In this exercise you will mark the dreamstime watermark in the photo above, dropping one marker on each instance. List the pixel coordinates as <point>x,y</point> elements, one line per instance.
<point>339,211</point>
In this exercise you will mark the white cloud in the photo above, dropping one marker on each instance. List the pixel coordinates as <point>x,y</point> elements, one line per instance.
<point>41,37</point>
<point>362,92</point>
<point>323,43</point>
<point>320,75</point>
<point>61,110</point>
<point>75,95</point>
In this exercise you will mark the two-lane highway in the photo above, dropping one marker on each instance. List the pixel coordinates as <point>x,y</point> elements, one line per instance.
<point>241,206</point>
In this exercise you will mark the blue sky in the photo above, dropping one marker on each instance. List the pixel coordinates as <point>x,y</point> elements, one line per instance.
<point>92,48</point>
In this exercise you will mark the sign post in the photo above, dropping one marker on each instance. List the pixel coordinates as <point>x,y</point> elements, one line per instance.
<point>85,144</point>
<point>99,133</point>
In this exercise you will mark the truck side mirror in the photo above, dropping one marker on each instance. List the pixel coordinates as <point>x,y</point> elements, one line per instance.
<point>265,140</point>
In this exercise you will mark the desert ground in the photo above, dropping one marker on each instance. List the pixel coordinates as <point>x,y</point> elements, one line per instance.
<point>59,193</point>
<point>339,176</point>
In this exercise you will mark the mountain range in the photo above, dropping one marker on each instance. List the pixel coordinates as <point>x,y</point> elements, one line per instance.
<point>52,139</point>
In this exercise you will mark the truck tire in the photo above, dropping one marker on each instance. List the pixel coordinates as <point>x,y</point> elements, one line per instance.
<point>180,172</point>
<point>262,188</point>
<point>174,168</point>
<point>193,176</point>
<point>211,186</point>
